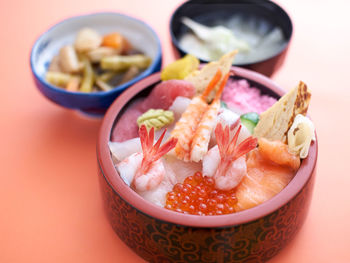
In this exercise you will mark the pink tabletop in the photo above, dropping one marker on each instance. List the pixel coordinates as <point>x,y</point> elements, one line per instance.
<point>51,208</point>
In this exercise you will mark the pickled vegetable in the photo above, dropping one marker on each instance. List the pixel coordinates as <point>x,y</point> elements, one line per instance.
<point>181,68</point>
<point>124,62</point>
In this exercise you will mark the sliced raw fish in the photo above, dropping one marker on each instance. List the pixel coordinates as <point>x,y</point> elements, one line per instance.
<point>179,106</point>
<point>265,177</point>
<point>211,161</point>
<point>126,128</point>
<point>278,152</point>
<point>163,95</point>
<point>158,195</point>
<point>181,169</point>
<point>232,119</point>
<point>128,167</point>
<point>121,150</point>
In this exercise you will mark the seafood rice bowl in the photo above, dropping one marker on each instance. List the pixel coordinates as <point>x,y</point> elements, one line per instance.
<point>202,148</point>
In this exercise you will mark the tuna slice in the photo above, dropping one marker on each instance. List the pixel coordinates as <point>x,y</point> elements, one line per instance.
<point>126,128</point>
<point>161,97</point>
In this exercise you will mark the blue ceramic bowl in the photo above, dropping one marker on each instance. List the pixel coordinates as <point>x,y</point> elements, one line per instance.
<point>140,35</point>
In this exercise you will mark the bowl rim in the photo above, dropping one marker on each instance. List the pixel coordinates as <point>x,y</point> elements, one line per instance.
<point>177,45</point>
<point>117,89</point>
<point>117,184</point>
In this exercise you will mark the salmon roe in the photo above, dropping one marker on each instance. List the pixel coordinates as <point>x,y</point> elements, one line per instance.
<point>197,195</point>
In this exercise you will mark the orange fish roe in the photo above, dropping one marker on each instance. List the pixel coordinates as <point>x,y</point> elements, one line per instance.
<point>197,196</point>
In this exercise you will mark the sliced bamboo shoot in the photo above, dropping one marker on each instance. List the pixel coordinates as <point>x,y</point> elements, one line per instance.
<point>97,54</point>
<point>88,77</point>
<point>68,59</point>
<point>124,62</point>
<point>58,78</point>
<point>103,85</point>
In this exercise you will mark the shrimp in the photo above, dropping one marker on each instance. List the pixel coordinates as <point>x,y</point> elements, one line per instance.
<point>200,141</point>
<point>230,168</point>
<point>128,167</point>
<point>185,128</point>
<point>145,171</point>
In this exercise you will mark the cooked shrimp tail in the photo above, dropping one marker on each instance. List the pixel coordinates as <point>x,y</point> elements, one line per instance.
<point>222,139</point>
<point>228,150</point>
<point>235,124</point>
<point>232,168</point>
<point>151,172</point>
<point>246,146</point>
<point>151,153</point>
<point>166,147</point>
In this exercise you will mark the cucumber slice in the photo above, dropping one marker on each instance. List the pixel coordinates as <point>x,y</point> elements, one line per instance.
<point>223,104</point>
<point>250,120</point>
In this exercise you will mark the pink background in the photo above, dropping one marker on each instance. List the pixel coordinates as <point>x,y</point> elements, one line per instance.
<point>51,208</point>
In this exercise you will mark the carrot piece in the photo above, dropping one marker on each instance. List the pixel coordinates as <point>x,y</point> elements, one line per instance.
<point>117,41</point>
<point>73,84</point>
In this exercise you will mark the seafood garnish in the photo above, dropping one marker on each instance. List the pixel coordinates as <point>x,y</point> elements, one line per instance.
<point>194,128</point>
<point>146,173</point>
<point>201,138</point>
<point>232,167</point>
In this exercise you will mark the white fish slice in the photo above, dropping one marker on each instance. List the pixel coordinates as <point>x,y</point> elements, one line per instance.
<point>181,169</point>
<point>122,150</point>
<point>179,106</point>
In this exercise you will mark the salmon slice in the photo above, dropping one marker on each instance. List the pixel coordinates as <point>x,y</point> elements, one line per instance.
<point>278,152</point>
<point>269,169</point>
